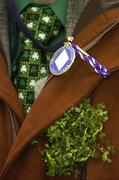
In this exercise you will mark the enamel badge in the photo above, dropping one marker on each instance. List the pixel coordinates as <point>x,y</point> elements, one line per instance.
<point>62,60</point>
<point>64,57</point>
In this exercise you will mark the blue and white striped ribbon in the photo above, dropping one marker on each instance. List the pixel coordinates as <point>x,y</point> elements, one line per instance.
<point>99,68</point>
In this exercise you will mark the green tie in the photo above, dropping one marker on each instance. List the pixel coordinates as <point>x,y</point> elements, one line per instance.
<point>32,64</point>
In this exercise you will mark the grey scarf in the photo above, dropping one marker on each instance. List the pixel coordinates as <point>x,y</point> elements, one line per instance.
<point>4,40</point>
<point>74,11</point>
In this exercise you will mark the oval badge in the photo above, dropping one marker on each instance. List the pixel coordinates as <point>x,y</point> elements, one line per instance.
<point>62,60</point>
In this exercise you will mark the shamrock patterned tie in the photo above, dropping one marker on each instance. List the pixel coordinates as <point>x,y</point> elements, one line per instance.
<point>33,64</point>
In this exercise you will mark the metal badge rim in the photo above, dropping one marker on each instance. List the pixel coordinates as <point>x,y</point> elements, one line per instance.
<point>72,60</point>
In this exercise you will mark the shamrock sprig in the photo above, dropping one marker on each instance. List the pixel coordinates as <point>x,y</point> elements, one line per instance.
<point>75,138</point>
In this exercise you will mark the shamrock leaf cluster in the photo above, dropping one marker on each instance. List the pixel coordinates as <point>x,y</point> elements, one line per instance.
<point>75,138</point>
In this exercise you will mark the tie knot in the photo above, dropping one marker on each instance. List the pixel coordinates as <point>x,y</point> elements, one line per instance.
<point>42,22</point>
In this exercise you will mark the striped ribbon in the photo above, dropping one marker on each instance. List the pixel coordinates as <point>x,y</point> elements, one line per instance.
<point>99,68</point>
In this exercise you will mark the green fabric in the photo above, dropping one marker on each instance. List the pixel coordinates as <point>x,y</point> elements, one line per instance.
<point>60,9</point>
<point>21,4</point>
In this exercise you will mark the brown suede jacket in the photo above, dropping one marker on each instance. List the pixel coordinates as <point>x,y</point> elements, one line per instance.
<point>19,160</point>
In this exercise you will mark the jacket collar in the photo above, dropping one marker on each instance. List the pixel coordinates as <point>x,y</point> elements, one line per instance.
<point>56,97</point>
<point>7,91</point>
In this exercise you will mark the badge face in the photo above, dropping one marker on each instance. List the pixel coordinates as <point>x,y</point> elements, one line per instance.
<point>62,60</point>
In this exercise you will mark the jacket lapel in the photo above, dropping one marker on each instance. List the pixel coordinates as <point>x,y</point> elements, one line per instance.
<point>65,91</point>
<point>57,97</point>
<point>7,92</point>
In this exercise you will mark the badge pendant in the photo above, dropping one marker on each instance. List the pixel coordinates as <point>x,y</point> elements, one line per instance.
<point>63,59</point>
